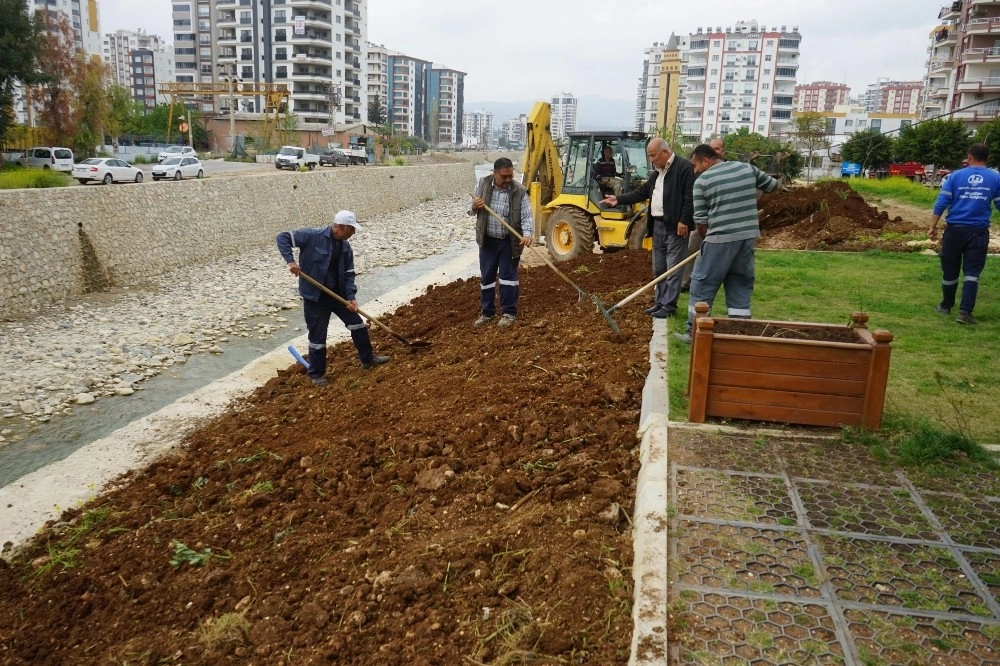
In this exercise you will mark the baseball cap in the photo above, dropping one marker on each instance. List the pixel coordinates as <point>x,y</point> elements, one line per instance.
<point>348,219</point>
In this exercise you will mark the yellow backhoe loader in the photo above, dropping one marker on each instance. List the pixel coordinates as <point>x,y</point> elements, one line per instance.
<point>565,196</point>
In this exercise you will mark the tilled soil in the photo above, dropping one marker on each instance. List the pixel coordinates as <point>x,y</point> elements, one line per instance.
<point>467,503</point>
<point>831,216</point>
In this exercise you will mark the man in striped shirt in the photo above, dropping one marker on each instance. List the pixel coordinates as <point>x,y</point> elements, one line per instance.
<point>725,213</point>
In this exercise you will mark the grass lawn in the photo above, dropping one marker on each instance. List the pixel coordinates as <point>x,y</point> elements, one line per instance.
<point>14,178</point>
<point>942,372</point>
<point>901,189</point>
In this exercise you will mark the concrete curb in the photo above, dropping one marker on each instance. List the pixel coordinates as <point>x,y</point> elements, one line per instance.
<point>28,503</point>
<point>649,532</point>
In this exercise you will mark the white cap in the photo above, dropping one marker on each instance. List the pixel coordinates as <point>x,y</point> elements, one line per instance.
<point>348,219</point>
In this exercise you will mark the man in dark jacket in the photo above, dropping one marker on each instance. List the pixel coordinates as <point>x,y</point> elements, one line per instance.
<point>327,257</point>
<point>669,219</point>
<point>500,250</point>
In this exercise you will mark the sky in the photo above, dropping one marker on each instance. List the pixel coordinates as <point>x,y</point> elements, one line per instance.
<point>517,50</point>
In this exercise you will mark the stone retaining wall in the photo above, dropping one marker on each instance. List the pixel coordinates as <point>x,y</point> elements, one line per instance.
<point>55,243</point>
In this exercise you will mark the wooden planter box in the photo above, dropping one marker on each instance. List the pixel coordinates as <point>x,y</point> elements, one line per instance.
<point>776,377</point>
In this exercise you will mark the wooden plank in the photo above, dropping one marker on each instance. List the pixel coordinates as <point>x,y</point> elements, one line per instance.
<point>783,414</point>
<point>803,349</point>
<point>799,367</point>
<point>787,382</point>
<point>766,398</point>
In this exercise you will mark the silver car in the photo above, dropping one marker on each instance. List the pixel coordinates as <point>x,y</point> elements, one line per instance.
<point>177,168</point>
<point>106,170</point>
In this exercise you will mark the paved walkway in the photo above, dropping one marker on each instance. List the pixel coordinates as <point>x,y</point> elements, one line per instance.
<point>781,549</point>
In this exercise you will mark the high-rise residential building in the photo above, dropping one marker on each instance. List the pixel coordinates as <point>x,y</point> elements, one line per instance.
<point>873,94</point>
<point>139,62</point>
<point>820,96</point>
<point>85,20</point>
<point>901,97</point>
<point>317,47</point>
<point>740,77</point>
<point>477,130</point>
<point>421,98</point>
<point>941,72</point>
<point>963,76</point>
<point>564,107</point>
<point>515,131</point>
<point>647,95</point>
<point>445,106</point>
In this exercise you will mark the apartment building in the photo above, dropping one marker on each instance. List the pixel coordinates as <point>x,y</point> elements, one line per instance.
<point>515,131</point>
<point>85,19</point>
<point>739,77</point>
<point>901,97</point>
<point>139,62</point>
<point>658,94</point>
<point>563,121</point>
<point>963,70</point>
<point>477,129</point>
<point>820,96</point>
<point>421,98</point>
<point>317,47</point>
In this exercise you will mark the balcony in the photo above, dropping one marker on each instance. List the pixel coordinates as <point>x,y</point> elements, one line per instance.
<point>940,63</point>
<point>952,10</point>
<point>983,26</point>
<point>316,4</point>
<point>313,38</point>
<point>311,56</point>
<point>983,114</point>
<point>225,19</point>
<point>981,55</point>
<point>989,84</point>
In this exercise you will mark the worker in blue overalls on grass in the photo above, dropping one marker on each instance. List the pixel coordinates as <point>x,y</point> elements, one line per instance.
<point>326,256</point>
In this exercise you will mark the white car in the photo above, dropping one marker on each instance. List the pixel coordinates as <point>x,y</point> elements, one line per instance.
<point>177,151</point>
<point>106,170</point>
<point>177,168</point>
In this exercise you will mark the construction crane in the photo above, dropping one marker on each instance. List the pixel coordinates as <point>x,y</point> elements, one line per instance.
<point>275,97</point>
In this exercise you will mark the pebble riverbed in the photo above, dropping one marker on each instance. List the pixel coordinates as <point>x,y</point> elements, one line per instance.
<point>101,345</point>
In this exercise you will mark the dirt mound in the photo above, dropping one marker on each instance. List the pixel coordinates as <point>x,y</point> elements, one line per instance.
<point>830,216</point>
<point>466,503</point>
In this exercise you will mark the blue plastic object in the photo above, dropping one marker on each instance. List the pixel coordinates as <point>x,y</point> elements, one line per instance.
<point>298,357</point>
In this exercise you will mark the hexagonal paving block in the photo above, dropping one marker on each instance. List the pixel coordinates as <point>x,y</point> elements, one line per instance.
<point>897,574</point>
<point>767,561</point>
<point>769,632</point>
<point>987,566</point>
<point>737,497</point>
<point>864,510</point>
<point>884,638</point>
<point>971,522</point>
<point>832,461</point>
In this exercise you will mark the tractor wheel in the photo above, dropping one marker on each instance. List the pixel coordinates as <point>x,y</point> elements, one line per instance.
<point>637,234</point>
<point>570,233</point>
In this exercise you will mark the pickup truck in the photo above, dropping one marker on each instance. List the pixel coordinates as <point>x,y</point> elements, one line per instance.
<point>293,157</point>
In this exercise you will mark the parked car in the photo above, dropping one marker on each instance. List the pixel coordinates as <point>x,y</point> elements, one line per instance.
<point>106,170</point>
<point>177,168</point>
<point>333,157</point>
<point>177,151</point>
<point>47,157</point>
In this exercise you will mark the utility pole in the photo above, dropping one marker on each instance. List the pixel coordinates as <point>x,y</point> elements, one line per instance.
<point>224,67</point>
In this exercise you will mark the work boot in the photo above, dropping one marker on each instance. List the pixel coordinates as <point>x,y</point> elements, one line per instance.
<point>940,309</point>
<point>319,381</point>
<point>966,318</point>
<point>662,312</point>
<point>651,310</point>
<point>684,337</point>
<point>506,320</point>
<point>483,319</point>
<point>374,362</point>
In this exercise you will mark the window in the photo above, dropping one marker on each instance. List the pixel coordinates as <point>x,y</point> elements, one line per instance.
<point>205,52</point>
<point>247,73</point>
<point>246,54</point>
<point>770,42</point>
<point>765,86</point>
<point>177,8</point>
<point>767,58</point>
<point>715,72</point>
<point>710,112</point>
<point>279,35</point>
<point>711,86</point>
<point>246,18</point>
<point>767,72</point>
<point>182,23</point>
<point>204,25</point>
<point>711,100</point>
<point>715,58</point>
<point>762,114</point>
<point>279,16</point>
<point>206,68</point>
<point>281,71</point>
<point>709,127</point>
<point>760,128</point>
<point>716,42</point>
<point>281,53</point>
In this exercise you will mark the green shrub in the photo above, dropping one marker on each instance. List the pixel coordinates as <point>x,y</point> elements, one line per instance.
<point>400,161</point>
<point>142,159</point>
<point>17,179</point>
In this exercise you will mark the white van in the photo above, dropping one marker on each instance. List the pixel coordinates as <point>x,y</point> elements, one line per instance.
<point>57,159</point>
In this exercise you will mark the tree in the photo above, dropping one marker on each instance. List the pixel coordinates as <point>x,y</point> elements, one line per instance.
<point>944,143</point>
<point>869,148</point>
<point>121,111</point>
<point>20,51</point>
<point>989,134</point>
<point>91,107</point>
<point>766,154</point>
<point>811,134</point>
<point>434,123</point>
<point>61,69</point>
<point>288,124</point>
<point>378,114</point>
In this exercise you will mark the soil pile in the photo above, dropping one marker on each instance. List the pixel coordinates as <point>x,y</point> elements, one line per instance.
<point>830,216</point>
<point>466,503</point>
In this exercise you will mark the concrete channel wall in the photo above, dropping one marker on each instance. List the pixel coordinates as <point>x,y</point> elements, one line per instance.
<point>56,243</point>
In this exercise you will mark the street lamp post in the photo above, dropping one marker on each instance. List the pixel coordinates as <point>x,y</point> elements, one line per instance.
<point>231,76</point>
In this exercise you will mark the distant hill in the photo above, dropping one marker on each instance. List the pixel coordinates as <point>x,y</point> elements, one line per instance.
<point>593,113</point>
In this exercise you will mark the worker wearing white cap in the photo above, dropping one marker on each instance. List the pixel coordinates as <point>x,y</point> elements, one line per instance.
<point>326,256</point>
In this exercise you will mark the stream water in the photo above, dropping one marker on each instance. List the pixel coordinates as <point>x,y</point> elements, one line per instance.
<point>57,439</point>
